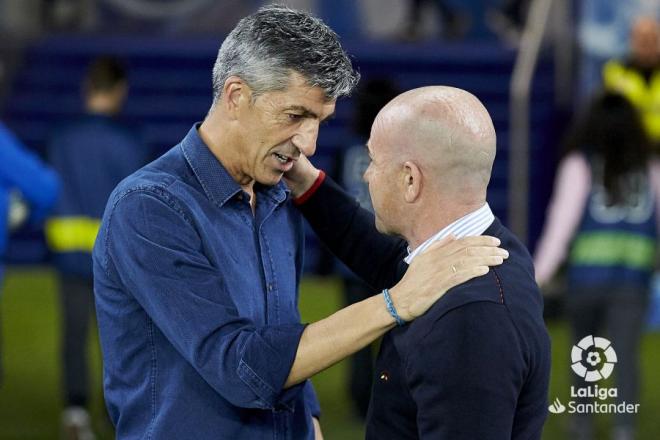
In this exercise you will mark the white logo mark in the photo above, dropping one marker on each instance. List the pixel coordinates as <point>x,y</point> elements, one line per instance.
<point>593,358</point>
<point>557,407</point>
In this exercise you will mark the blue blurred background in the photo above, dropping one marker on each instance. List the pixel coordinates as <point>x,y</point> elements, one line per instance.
<point>532,63</point>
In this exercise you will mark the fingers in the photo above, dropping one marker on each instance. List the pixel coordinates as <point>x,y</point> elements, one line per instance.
<point>445,265</point>
<point>452,246</point>
<point>444,256</point>
<point>479,240</point>
<point>469,268</point>
<point>486,260</point>
<point>462,276</point>
<point>483,251</point>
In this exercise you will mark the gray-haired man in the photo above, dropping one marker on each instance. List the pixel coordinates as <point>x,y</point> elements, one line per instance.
<point>199,257</point>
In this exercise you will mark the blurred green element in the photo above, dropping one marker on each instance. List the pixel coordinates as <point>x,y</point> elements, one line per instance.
<point>30,394</point>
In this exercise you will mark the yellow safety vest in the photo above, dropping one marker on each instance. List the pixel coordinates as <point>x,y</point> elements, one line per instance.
<point>642,94</point>
<point>71,234</point>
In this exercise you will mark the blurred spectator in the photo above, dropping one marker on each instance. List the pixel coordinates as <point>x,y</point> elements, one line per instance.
<point>508,21</point>
<point>603,29</point>
<point>215,17</point>
<point>603,219</point>
<point>28,189</point>
<point>69,15</point>
<point>453,24</point>
<point>638,77</point>
<point>92,155</point>
<point>371,97</point>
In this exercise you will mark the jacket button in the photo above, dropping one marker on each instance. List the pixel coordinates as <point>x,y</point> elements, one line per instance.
<point>384,376</point>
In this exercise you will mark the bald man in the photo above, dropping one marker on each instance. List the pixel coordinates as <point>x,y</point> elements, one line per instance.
<point>477,364</point>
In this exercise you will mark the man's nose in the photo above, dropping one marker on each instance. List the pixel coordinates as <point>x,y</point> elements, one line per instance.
<point>305,138</point>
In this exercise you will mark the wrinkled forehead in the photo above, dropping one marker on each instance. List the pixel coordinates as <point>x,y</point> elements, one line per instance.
<point>301,96</point>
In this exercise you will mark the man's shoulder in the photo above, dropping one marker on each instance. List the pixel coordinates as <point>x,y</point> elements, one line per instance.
<point>154,186</point>
<point>163,178</point>
<point>509,288</point>
<point>484,289</point>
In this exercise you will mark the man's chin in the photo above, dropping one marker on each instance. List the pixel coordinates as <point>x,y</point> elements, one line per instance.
<point>272,179</point>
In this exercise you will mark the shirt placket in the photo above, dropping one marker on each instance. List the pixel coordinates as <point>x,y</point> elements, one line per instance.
<point>267,263</point>
<point>282,418</point>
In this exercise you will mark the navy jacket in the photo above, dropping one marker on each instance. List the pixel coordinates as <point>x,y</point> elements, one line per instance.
<point>92,154</point>
<point>475,366</point>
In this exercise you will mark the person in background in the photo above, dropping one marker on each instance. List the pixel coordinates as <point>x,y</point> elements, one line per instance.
<point>92,154</point>
<point>508,21</point>
<point>28,189</point>
<point>453,24</point>
<point>603,219</point>
<point>638,77</point>
<point>371,96</point>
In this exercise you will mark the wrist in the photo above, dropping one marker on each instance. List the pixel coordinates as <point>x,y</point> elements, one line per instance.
<point>304,190</point>
<point>391,309</point>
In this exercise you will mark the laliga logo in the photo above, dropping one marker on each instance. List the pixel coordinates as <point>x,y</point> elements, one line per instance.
<point>593,358</point>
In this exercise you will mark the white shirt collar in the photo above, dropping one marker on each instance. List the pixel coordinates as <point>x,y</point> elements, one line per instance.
<point>470,225</point>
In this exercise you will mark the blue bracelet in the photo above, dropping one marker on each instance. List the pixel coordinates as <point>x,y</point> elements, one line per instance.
<point>391,309</point>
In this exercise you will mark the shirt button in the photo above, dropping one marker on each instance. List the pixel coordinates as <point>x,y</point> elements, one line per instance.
<point>270,287</point>
<point>384,376</point>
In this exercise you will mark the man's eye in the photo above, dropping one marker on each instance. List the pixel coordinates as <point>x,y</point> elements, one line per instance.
<point>294,117</point>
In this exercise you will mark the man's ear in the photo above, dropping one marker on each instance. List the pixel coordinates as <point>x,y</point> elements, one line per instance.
<point>412,181</point>
<point>235,95</point>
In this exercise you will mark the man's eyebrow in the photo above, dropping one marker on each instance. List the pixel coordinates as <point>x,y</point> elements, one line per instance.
<point>305,111</point>
<point>327,118</point>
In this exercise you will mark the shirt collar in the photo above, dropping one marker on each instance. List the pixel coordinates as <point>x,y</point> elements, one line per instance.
<point>470,225</point>
<point>216,181</point>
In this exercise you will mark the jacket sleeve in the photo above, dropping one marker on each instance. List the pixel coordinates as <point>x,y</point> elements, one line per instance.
<point>465,374</point>
<point>154,252</point>
<point>22,169</point>
<point>350,233</point>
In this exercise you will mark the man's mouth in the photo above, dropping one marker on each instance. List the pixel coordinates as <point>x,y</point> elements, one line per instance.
<point>282,158</point>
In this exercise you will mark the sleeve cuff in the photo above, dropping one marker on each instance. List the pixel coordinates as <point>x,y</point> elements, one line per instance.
<point>266,364</point>
<point>310,192</point>
<point>311,400</point>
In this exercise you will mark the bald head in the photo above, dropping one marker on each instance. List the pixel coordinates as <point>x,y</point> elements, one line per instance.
<point>446,131</point>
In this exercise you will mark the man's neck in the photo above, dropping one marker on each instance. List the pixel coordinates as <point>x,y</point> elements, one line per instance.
<point>222,143</point>
<point>431,221</point>
<point>222,147</point>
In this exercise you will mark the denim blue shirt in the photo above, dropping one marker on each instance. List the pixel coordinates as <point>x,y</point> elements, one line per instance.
<point>197,304</point>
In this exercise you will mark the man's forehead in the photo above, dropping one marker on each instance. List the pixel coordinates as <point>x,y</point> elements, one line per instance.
<point>310,99</point>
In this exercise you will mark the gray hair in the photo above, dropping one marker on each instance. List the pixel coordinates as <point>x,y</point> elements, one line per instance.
<point>266,47</point>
